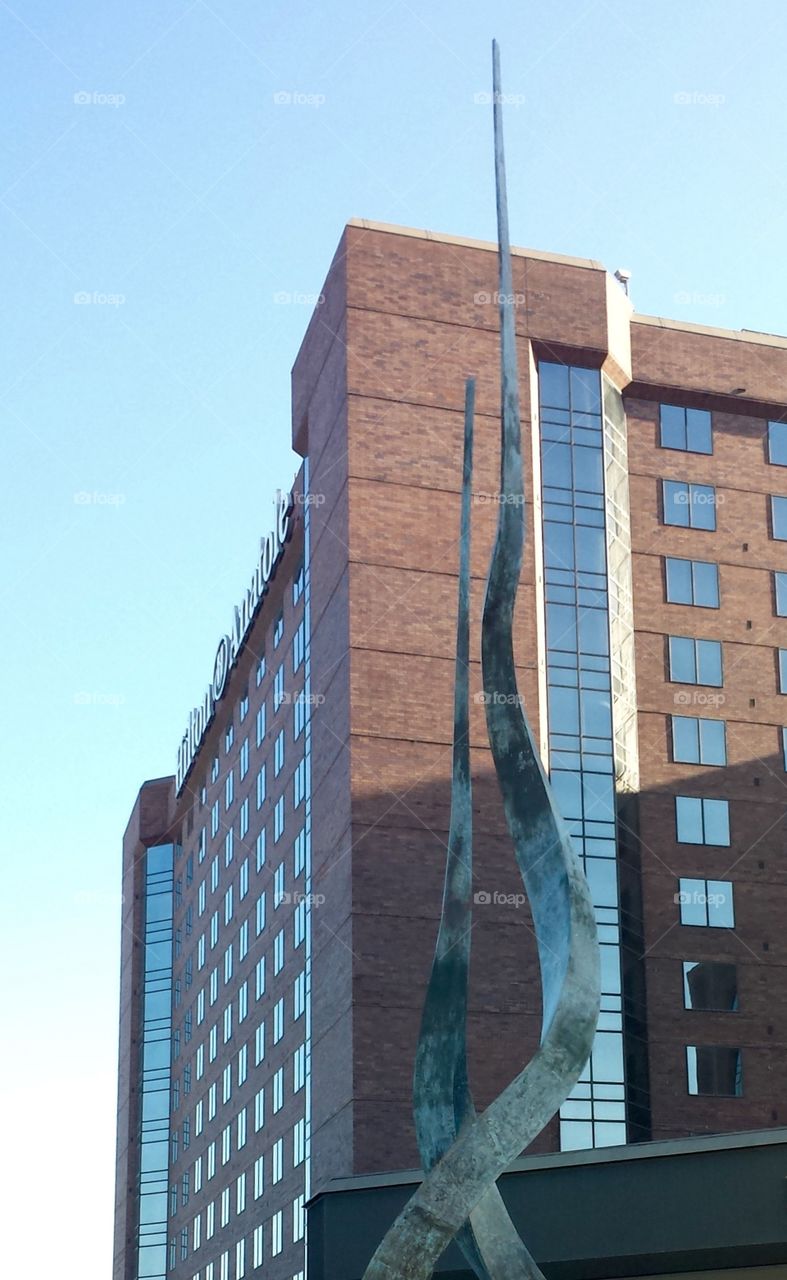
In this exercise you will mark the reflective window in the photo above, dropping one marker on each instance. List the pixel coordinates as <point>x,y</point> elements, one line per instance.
<point>782,664</point>
<point>278,631</point>
<point>707,903</point>
<point>695,661</point>
<point>779,518</point>
<point>780,594</point>
<point>692,582</point>
<point>710,985</point>
<point>714,1070</point>
<point>777,443</point>
<point>698,741</point>
<point>692,506</point>
<point>784,748</point>
<point>686,429</point>
<point>702,821</point>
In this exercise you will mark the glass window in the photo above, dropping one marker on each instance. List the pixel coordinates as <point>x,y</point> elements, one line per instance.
<point>784,748</point>
<point>278,631</point>
<point>686,429</point>
<point>777,443</point>
<point>278,688</point>
<point>244,758</point>
<point>779,519</point>
<point>693,582</point>
<point>714,1070</point>
<point>278,819</point>
<point>695,661</point>
<point>698,741</point>
<point>702,821</point>
<point>708,903</point>
<point>278,753</point>
<point>710,985</point>
<point>780,594</point>
<point>692,506</point>
<point>260,676</point>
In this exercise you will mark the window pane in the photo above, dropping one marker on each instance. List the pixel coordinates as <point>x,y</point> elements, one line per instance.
<point>698,431</point>
<point>676,503</point>
<point>706,584</point>
<point>685,739</point>
<point>703,506</point>
<point>688,815</point>
<point>708,984</point>
<point>779,518</point>
<point>679,587</point>
<point>716,816</point>
<point>780,589</point>
<point>709,668</point>
<point>713,742</point>
<point>553,382</point>
<point>682,660</point>
<point>721,906</point>
<point>714,1070</point>
<point>673,427</point>
<point>777,443</point>
<point>693,901</point>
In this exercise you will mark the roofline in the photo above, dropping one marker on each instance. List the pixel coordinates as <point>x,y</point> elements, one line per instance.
<point>587,264</point>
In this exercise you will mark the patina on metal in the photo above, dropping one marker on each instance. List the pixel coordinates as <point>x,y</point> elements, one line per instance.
<point>464,1154</point>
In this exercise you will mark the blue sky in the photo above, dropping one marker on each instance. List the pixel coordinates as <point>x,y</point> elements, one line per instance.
<point>163,218</point>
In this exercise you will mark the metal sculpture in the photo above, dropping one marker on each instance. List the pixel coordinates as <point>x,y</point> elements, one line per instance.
<point>464,1154</point>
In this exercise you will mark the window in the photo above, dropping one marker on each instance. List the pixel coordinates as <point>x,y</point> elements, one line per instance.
<point>243,879</point>
<point>714,1070</point>
<point>278,754</point>
<point>226,1083</point>
<point>226,1143</point>
<point>210,1220</point>
<point>779,519</point>
<point>197,1230</point>
<point>201,945</point>
<point>211,1160</point>
<point>299,996</point>
<point>243,940</point>
<point>198,1174</point>
<point>686,429</point>
<point>229,789</point>
<point>299,784</point>
<point>278,952</point>
<point>244,818</point>
<point>184,1243</point>
<point>214,769</point>
<point>225,1206</point>
<point>784,748</point>
<point>257,1247</point>
<point>782,661</point>
<point>202,842</point>
<point>780,594</point>
<point>199,1062</point>
<point>229,737</point>
<point>299,926</point>
<point>260,724</point>
<point>259,1177</point>
<point>698,741</point>
<point>278,1020</point>
<point>700,821</point>
<point>298,1227</point>
<point>299,1142</point>
<point>243,766</point>
<point>227,1023</point>
<point>259,989</point>
<point>299,1068</point>
<point>212,1100</point>
<point>777,443</point>
<point>277,1160</point>
<point>278,1090</point>
<point>692,582</point>
<point>299,852</point>
<point>707,903</point>
<point>278,631</point>
<point>243,1001</point>
<point>244,706</point>
<point>278,688</point>
<point>243,1064</point>
<point>278,886</point>
<point>691,506</point>
<point>260,675</point>
<point>214,929</point>
<point>297,585</point>
<point>240,1259</point>
<point>213,1043</point>
<point>241,1134</point>
<point>259,1110</point>
<point>260,849</point>
<point>298,645</point>
<point>215,871</point>
<point>299,715</point>
<point>214,985</point>
<point>276,1233</point>
<point>198,1119</point>
<point>278,819</point>
<point>259,1044</point>
<point>261,787</point>
<point>710,985</point>
<point>202,898</point>
<point>695,661</point>
<point>229,904</point>
<point>214,818</point>
<point>260,920</point>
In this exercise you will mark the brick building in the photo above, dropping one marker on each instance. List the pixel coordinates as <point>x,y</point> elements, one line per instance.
<point>282,891</point>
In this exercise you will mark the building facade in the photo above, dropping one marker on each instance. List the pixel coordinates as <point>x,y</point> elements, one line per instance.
<point>282,891</point>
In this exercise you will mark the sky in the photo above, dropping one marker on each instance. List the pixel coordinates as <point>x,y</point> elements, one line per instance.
<point>175,179</point>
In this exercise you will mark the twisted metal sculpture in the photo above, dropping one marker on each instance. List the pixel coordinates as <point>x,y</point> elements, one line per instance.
<point>464,1154</point>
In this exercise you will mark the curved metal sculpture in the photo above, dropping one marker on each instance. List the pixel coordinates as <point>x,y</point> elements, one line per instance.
<point>464,1154</point>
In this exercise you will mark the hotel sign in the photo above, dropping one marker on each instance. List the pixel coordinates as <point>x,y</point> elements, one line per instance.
<point>230,645</point>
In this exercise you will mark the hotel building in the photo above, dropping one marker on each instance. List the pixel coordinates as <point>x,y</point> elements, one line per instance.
<point>282,890</point>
